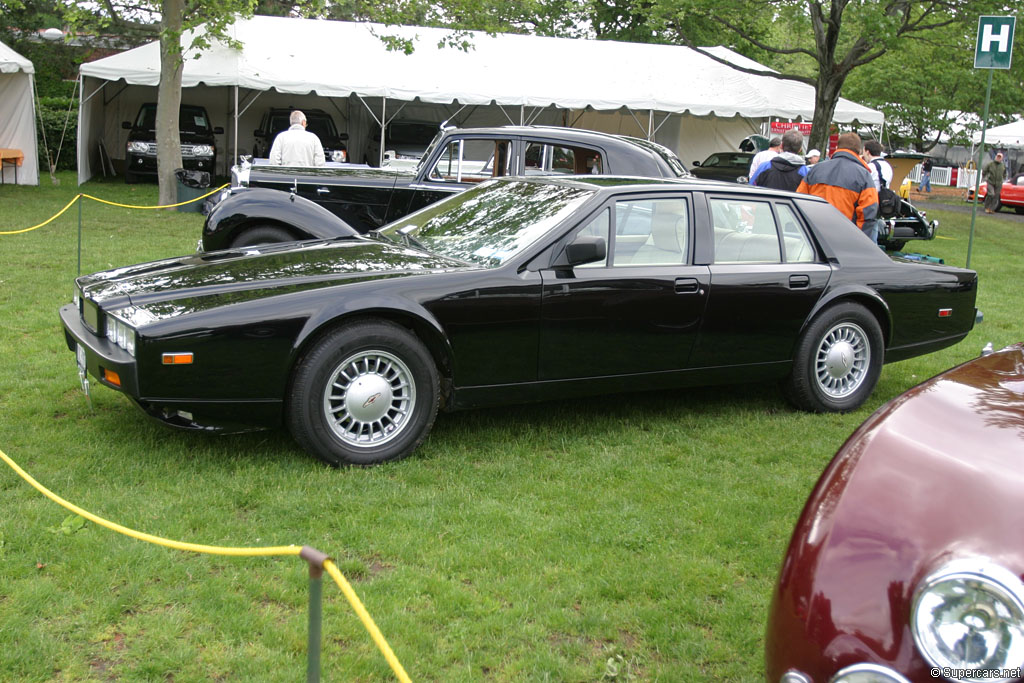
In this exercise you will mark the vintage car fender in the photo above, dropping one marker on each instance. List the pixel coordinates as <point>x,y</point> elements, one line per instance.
<point>860,294</point>
<point>930,479</point>
<point>245,208</point>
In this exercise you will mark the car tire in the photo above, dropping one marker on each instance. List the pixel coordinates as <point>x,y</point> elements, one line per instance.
<point>895,245</point>
<point>261,234</point>
<point>131,178</point>
<point>838,360</point>
<point>366,393</point>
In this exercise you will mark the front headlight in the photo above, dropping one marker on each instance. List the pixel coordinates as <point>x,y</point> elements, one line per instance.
<point>121,333</point>
<point>136,147</point>
<point>968,616</point>
<point>202,150</point>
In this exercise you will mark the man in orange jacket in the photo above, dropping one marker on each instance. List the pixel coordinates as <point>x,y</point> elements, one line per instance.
<point>844,181</point>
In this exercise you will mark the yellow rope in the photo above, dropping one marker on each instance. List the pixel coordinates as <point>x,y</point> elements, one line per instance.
<point>329,565</point>
<point>110,203</point>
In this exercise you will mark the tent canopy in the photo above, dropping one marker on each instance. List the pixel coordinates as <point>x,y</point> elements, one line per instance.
<point>301,56</point>
<point>1009,135</point>
<point>17,115</point>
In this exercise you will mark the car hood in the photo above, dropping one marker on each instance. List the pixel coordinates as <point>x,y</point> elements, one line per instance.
<point>162,288</point>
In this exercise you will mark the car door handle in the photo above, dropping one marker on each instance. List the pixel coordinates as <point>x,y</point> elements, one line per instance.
<point>687,285</point>
<point>799,281</point>
<point>322,190</point>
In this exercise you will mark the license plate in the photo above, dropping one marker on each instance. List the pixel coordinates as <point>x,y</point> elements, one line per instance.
<point>83,376</point>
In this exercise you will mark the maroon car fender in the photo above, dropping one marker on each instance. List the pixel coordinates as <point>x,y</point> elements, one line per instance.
<point>933,476</point>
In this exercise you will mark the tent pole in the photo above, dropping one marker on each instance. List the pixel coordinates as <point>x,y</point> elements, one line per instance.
<point>650,126</point>
<point>234,157</point>
<point>522,114</point>
<point>383,119</point>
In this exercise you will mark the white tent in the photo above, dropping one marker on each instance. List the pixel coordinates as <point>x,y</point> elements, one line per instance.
<point>1009,135</point>
<point>18,116</point>
<point>669,93</point>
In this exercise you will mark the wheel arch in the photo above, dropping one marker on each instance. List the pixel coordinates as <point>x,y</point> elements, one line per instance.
<point>864,296</point>
<point>412,317</point>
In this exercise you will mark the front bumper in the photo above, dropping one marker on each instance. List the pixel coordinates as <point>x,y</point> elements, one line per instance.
<point>101,355</point>
<point>143,164</point>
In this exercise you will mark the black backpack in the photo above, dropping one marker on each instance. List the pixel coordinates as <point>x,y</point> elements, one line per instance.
<point>888,201</point>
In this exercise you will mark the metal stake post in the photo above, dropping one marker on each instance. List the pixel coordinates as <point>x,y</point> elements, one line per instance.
<point>316,560</point>
<point>79,235</point>
<point>977,175</point>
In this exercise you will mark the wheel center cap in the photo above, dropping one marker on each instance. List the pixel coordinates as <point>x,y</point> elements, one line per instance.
<point>368,398</point>
<point>839,360</point>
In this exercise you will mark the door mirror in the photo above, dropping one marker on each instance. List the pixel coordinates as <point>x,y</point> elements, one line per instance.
<point>585,249</point>
<point>127,125</point>
<point>696,163</point>
<point>219,130</point>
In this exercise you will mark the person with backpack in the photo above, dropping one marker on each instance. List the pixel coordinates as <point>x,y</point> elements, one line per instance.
<point>785,170</point>
<point>881,175</point>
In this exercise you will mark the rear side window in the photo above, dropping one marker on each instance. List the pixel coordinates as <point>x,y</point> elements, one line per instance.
<point>750,231</point>
<point>548,159</point>
<point>473,160</point>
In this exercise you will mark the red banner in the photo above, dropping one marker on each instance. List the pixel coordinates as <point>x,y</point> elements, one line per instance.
<point>780,127</point>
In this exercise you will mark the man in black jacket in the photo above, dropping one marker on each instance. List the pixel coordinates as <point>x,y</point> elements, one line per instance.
<point>785,171</point>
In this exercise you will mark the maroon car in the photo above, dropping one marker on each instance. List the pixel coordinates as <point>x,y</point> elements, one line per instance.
<point>907,560</point>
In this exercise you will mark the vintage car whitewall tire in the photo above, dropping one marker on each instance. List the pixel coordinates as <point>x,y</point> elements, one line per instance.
<point>838,360</point>
<point>365,393</point>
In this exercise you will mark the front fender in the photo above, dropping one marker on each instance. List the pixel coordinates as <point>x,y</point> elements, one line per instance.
<point>246,208</point>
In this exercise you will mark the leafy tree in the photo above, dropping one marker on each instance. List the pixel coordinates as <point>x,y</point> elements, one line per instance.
<point>819,42</point>
<point>940,92</point>
<point>166,20</point>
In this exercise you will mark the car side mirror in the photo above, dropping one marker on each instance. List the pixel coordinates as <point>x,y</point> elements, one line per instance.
<point>127,125</point>
<point>257,133</point>
<point>696,163</point>
<point>219,130</point>
<point>585,249</point>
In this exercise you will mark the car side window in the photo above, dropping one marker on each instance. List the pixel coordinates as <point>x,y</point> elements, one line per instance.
<point>795,243</point>
<point>651,232</point>
<point>546,159</point>
<point>473,160</point>
<point>745,231</point>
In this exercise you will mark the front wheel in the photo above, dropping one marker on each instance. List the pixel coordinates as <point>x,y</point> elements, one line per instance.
<point>366,393</point>
<point>838,360</point>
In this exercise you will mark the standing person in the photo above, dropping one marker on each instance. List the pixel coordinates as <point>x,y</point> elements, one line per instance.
<point>926,176</point>
<point>813,157</point>
<point>785,170</point>
<point>994,174</point>
<point>879,168</point>
<point>774,147</point>
<point>845,183</point>
<point>297,146</point>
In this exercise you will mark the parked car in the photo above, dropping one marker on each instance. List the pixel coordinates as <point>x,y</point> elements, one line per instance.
<point>198,146</point>
<point>518,289</point>
<point>728,166</point>
<point>275,120</point>
<point>1011,194</point>
<point>367,198</point>
<point>906,563</point>
<point>404,139</point>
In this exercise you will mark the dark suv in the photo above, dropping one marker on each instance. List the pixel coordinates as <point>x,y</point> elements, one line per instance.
<point>317,121</point>
<point>198,149</point>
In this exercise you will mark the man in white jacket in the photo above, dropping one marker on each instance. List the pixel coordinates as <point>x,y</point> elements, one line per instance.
<point>297,146</point>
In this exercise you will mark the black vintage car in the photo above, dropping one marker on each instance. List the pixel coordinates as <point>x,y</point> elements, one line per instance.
<point>319,122</point>
<point>519,289</point>
<point>457,159</point>
<point>198,146</point>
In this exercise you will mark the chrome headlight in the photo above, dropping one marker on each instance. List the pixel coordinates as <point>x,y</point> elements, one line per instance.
<point>121,333</point>
<point>136,147</point>
<point>968,616</point>
<point>202,150</point>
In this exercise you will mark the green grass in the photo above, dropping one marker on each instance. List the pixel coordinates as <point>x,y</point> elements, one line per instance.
<point>526,543</point>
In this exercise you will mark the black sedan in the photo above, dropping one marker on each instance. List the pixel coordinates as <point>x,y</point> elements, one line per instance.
<point>728,166</point>
<point>519,289</point>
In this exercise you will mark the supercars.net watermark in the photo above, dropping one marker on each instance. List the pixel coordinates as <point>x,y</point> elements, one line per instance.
<point>980,674</point>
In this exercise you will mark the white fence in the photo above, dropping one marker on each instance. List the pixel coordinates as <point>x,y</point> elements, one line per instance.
<point>943,175</point>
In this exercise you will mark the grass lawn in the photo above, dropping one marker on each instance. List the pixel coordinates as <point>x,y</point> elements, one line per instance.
<point>617,538</point>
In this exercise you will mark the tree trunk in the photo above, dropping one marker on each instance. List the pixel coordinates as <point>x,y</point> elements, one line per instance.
<point>826,97</point>
<point>168,139</point>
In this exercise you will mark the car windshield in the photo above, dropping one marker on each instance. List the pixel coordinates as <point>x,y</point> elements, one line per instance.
<point>490,223</point>
<point>728,160</point>
<point>190,119</point>
<point>319,123</point>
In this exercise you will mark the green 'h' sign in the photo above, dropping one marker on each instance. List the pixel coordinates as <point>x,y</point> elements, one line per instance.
<point>995,42</point>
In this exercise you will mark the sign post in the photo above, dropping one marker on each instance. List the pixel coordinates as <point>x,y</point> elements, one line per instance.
<point>994,50</point>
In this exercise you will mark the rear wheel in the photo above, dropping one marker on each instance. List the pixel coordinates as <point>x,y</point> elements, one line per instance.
<point>895,245</point>
<point>366,393</point>
<point>838,360</point>
<point>262,234</point>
